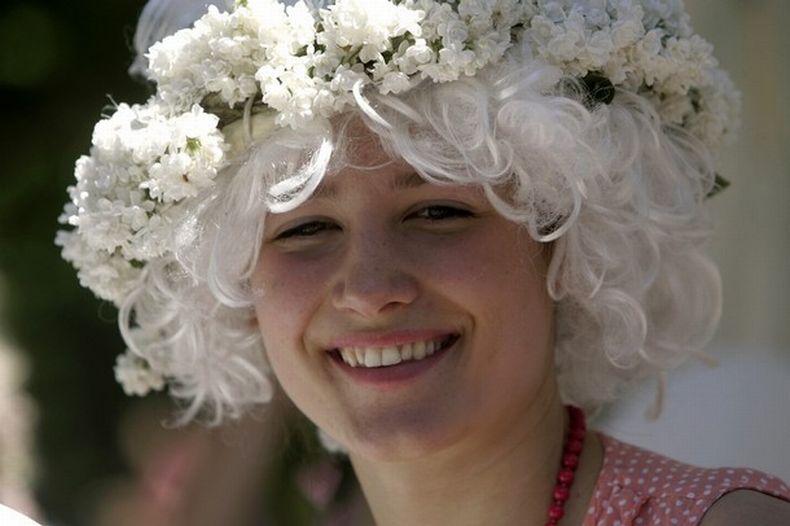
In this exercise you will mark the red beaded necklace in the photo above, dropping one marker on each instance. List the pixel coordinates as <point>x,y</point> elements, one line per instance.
<point>574,442</point>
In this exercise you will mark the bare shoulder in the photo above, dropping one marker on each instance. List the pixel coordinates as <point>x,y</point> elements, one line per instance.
<point>746,508</point>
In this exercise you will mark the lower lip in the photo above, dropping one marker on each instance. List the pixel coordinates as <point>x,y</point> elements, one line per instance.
<point>392,375</point>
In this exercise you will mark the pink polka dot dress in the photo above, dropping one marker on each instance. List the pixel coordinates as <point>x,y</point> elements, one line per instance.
<point>639,488</point>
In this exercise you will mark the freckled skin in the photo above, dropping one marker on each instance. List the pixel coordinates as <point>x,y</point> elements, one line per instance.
<point>381,266</point>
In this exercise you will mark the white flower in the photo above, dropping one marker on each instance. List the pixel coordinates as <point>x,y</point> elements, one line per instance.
<point>372,23</point>
<point>647,47</point>
<point>142,164</point>
<point>668,14</point>
<point>136,376</point>
<point>194,155</point>
<point>411,57</point>
<point>218,55</point>
<point>110,276</point>
<point>395,82</point>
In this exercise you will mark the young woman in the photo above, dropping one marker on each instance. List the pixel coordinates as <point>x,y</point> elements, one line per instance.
<point>435,224</point>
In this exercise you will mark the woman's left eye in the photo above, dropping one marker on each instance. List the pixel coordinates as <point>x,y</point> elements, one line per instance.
<point>441,212</point>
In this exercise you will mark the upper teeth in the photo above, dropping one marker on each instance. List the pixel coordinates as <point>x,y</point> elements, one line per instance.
<point>383,356</point>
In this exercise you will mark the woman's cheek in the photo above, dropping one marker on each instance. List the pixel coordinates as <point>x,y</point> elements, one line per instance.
<point>291,288</point>
<point>287,278</point>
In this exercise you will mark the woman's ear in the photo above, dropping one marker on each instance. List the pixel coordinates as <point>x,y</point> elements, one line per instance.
<point>547,251</point>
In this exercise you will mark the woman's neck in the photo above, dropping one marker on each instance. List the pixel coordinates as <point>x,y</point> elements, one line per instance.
<point>499,478</point>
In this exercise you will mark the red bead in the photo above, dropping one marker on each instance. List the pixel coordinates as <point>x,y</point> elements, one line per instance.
<point>569,460</point>
<point>575,446</point>
<point>561,493</point>
<point>566,476</point>
<point>556,512</point>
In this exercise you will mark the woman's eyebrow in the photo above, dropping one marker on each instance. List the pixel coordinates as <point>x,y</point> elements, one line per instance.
<point>328,189</point>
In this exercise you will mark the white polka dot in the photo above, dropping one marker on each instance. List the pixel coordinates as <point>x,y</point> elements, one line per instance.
<point>690,495</point>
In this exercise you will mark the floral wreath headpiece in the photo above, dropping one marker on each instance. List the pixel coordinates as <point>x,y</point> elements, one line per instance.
<point>300,62</point>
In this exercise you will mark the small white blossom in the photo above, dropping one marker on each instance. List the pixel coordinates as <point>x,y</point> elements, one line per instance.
<point>136,376</point>
<point>109,276</point>
<point>395,82</point>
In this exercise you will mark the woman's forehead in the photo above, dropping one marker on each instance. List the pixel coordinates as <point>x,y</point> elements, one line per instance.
<point>393,180</point>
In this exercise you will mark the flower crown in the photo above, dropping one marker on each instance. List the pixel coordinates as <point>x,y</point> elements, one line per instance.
<point>299,63</point>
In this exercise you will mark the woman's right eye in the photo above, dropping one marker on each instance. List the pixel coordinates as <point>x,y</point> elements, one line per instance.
<point>306,230</point>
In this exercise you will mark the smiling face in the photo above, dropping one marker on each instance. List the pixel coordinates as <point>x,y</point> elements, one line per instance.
<point>403,317</point>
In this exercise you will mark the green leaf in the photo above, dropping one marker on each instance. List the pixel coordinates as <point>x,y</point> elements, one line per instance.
<point>719,185</point>
<point>193,145</point>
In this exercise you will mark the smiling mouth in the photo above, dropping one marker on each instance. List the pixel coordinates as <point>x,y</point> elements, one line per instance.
<point>377,357</point>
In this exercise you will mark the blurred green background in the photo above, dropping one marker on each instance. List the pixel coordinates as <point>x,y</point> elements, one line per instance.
<point>59,64</point>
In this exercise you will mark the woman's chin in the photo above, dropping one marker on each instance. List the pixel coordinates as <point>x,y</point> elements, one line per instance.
<point>401,438</point>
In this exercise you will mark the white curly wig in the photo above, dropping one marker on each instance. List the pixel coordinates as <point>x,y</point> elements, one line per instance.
<point>617,192</point>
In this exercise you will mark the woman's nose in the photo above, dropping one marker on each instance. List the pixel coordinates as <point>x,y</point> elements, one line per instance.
<point>375,279</point>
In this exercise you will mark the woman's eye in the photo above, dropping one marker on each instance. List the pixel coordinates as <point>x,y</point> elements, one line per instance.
<point>441,212</point>
<point>306,230</point>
